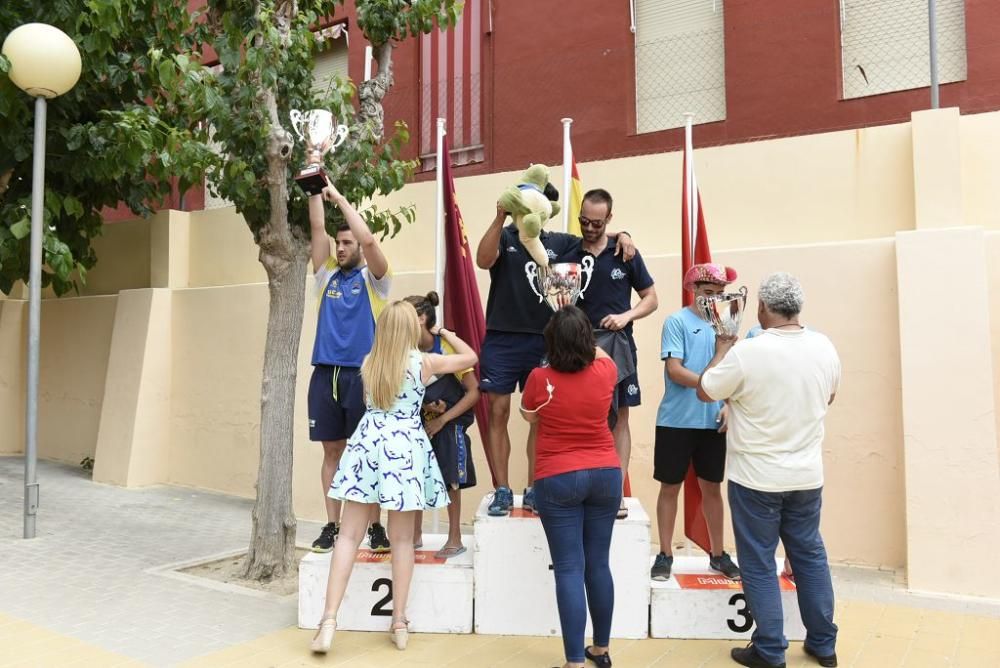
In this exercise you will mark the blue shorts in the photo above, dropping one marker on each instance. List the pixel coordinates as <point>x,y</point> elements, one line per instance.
<point>336,402</point>
<point>507,358</point>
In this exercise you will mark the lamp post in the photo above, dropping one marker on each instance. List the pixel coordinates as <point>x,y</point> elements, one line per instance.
<point>44,63</point>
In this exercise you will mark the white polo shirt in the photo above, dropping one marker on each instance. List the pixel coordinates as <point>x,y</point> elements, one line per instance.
<point>779,385</point>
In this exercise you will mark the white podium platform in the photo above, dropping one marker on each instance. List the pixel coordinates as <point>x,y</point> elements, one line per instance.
<point>440,595</point>
<point>515,587</point>
<point>697,602</point>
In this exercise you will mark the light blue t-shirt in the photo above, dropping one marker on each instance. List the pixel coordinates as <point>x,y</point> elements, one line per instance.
<point>692,340</point>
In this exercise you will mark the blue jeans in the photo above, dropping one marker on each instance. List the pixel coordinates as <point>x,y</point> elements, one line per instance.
<point>759,519</point>
<point>578,511</point>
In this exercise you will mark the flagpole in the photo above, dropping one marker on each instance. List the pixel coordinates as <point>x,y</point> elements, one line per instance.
<point>691,187</point>
<point>439,254</point>
<point>439,222</point>
<point>567,171</point>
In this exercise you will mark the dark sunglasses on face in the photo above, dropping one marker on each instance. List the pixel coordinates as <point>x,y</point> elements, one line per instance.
<point>587,222</point>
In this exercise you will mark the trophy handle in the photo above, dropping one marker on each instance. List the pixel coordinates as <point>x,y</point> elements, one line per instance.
<point>587,269</point>
<point>342,132</point>
<point>743,293</point>
<point>531,270</point>
<point>298,120</point>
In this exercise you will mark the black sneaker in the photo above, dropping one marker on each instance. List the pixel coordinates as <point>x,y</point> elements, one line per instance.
<point>724,564</point>
<point>829,661</point>
<point>327,538</point>
<point>377,540</point>
<point>661,567</point>
<point>748,656</point>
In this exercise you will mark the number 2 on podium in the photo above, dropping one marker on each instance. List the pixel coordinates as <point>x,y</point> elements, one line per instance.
<point>379,609</point>
<point>738,626</point>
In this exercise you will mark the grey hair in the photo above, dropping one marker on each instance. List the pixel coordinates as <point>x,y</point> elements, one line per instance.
<point>782,294</point>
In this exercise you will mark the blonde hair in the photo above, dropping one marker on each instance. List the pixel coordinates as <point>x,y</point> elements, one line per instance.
<point>397,332</point>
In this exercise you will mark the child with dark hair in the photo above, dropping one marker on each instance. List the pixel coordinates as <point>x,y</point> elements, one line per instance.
<point>448,413</point>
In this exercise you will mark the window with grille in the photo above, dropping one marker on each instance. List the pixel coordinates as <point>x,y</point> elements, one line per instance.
<point>886,45</point>
<point>680,63</point>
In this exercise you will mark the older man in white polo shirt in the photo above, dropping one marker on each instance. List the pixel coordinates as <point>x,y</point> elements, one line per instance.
<point>779,385</point>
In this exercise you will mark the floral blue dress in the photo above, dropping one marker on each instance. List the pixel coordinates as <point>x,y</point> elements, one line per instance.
<point>388,459</point>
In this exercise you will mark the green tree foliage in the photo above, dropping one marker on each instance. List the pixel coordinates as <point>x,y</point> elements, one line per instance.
<point>148,109</point>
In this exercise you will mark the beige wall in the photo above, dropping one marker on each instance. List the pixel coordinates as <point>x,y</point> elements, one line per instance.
<point>123,257</point>
<point>73,358</point>
<point>826,207</point>
<point>13,374</point>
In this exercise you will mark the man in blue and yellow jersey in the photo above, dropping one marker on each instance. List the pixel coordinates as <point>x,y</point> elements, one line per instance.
<point>352,288</point>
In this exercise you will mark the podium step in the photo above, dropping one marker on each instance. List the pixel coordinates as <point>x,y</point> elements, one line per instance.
<point>697,602</point>
<point>440,594</point>
<point>515,587</point>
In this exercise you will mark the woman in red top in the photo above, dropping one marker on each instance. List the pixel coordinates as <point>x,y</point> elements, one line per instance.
<point>578,477</point>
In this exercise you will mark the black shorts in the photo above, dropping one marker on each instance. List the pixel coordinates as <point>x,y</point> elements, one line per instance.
<point>677,448</point>
<point>336,402</point>
<point>629,393</point>
<point>507,358</point>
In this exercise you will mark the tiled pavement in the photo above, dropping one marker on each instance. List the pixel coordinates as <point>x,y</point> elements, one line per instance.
<point>83,594</point>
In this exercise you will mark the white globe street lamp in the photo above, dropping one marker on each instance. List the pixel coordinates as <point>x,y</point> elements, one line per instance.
<point>44,63</point>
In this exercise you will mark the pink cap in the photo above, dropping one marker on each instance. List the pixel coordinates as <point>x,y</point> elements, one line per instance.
<point>708,273</point>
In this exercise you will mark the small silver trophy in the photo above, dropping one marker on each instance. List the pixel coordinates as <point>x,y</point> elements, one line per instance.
<point>321,134</point>
<point>724,312</point>
<point>560,284</point>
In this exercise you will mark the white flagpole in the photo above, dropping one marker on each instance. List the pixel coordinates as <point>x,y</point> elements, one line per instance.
<point>692,188</point>
<point>439,221</point>
<point>439,253</point>
<point>567,171</point>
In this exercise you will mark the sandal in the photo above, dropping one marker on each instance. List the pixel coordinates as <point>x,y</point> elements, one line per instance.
<point>400,636</point>
<point>622,511</point>
<point>449,552</point>
<point>324,635</point>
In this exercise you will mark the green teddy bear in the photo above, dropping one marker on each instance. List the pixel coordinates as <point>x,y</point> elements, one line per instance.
<point>530,208</point>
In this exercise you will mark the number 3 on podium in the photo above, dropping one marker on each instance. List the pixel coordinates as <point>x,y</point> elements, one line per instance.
<point>380,609</point>
<point>734,625</point>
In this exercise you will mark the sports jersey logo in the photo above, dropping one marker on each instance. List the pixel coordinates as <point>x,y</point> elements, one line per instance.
<point>632,389</point>
<point>511,249</point>
<point>551,253</point>
<point>356,288</point>
<point>617,274</point>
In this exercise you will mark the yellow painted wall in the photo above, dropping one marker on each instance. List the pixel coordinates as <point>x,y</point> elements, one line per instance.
<point>825,207</point>
<point>13,374</point>
<point>73,362</point>
<point>123,257</point>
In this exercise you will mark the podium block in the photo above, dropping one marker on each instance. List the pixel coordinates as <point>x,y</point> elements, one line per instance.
<point>440,595</point>
<point>515,586</point>
<point>697,602</point>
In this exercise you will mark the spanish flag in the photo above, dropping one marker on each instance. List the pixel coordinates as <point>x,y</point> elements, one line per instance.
<point>574,199</point>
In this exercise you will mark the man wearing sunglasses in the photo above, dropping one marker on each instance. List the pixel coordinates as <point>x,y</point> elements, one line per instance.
<point>514,346</point>
<point>607,301</point>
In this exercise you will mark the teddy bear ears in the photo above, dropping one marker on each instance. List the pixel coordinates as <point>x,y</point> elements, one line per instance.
<point>537,174</point>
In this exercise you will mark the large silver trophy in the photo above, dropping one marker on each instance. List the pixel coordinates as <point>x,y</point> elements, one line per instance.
<point>560,284</point>
<point>724,312</point>
<point>321,134</point>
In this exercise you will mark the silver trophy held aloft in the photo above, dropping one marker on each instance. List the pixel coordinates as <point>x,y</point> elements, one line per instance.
<point>724,312</point>
<point>321,134</point>
<point>560,284</point>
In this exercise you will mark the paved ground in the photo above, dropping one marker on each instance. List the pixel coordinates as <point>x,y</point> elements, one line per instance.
<point>87,592</point>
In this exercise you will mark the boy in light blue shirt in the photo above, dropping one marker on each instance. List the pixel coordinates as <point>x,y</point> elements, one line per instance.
<point>688,430</point>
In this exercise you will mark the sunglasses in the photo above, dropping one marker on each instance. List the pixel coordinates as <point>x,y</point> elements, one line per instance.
<point>587,222</point>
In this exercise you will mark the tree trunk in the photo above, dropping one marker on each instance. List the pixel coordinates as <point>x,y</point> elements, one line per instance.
<point>272,543</point>
<point>284,254</point>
